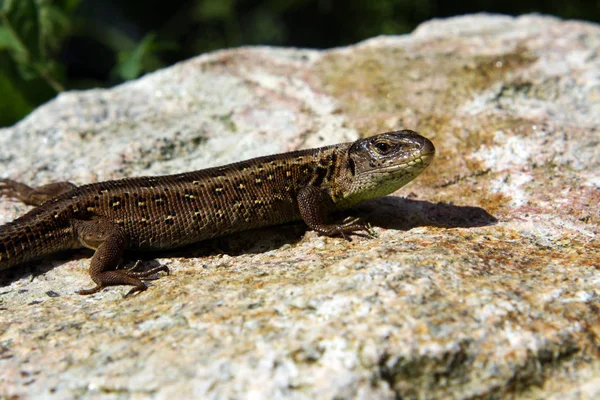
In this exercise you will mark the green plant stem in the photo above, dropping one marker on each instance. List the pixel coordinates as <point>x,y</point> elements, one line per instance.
<point>53,83</point>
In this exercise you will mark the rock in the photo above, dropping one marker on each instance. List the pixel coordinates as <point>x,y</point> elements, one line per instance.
<point>483,282</point>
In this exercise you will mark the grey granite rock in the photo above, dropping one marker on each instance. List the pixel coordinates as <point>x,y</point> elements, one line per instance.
<point>445,303</point>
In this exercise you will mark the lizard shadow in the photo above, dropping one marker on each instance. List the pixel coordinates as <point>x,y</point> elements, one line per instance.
<point>404,214</point>
<point>39,267</point>
<point>254,241</point>
<point>389,212</point>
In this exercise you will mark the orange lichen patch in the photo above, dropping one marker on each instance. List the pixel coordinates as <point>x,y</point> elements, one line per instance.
<point>494,203</point>
<point>394,84</point>
<point>509,252</point>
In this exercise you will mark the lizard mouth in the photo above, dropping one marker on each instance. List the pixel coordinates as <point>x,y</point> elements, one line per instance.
<point>419,160</point>
<point>416,164</point>
<point>427,158</point>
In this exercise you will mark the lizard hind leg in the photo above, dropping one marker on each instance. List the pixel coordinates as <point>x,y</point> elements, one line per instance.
<point>33,196</point>
<point>109,241</point>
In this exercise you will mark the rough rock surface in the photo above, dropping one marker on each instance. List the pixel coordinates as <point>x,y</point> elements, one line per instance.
<point>445,303</point>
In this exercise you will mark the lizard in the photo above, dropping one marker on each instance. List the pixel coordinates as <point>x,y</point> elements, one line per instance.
<point>170,211</point>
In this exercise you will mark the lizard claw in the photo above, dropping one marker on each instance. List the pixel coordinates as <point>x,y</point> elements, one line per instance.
<point>132,271</point>
<point>135,266</point>
<point>136,289</point>
<point>351,225</point>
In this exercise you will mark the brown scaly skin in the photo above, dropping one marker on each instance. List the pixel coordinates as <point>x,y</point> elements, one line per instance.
<point>165,212</point>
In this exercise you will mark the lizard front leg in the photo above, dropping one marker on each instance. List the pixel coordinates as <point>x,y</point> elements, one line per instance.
<point>315,205</point>
<point>33,196</point>
<point>110,241</point>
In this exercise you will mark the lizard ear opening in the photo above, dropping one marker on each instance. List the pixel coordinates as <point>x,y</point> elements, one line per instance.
<point>351,166</point>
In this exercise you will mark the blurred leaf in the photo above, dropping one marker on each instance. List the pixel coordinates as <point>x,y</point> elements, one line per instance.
<point>266,27</point>
<point>215,9</point>
<point>131,63</point>
<point>67,5</point>
<point>19,97</point>
<point>13,104</point>
<point>21,19</point>
<point>9,42</point>
<point>54,26</point>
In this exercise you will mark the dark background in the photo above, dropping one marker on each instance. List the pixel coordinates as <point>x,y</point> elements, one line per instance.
<point>47,46</point>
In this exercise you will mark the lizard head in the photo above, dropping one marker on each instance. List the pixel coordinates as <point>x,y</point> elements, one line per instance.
<point>381,164</point>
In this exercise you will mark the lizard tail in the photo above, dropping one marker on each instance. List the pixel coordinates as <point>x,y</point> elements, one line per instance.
<point>31,237</point>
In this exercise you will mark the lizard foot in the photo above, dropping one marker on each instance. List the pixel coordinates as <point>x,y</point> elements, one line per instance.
<point>123,277</point>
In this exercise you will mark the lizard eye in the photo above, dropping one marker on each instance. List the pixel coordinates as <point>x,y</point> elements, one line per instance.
<point>383,147</point>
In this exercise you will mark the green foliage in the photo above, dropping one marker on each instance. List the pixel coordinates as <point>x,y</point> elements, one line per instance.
<point>30,32</point>
<point>31,35</point>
